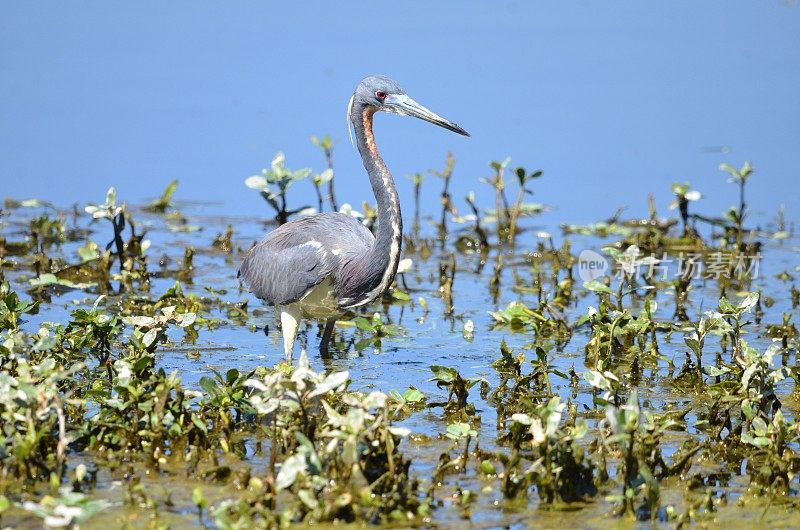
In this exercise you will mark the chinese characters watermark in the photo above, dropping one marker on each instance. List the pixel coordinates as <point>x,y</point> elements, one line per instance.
<point>684,265</point>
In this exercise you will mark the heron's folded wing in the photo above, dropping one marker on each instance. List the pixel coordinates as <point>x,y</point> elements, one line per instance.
<point>281,276</point>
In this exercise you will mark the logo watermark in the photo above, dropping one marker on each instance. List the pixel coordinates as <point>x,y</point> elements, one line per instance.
<point>591,265</point>
<point>685,265</point>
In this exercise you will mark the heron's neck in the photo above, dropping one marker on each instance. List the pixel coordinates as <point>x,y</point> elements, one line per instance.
<point>385,252</point>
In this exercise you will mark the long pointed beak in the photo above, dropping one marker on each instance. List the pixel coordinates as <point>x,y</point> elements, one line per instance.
<point>405,106</point>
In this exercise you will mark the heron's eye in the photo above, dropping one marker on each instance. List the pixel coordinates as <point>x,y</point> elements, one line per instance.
<point>381,95</point>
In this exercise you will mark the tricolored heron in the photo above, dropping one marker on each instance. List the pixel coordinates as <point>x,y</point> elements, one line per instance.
<point>320,266</point>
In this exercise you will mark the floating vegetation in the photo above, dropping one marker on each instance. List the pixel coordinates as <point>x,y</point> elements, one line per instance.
<point>641,369</point>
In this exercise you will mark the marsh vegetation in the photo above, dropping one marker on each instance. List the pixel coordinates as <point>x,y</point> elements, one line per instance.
<point>642,369</point>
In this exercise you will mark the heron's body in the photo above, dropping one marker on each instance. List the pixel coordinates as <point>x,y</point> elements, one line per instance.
<point>320,266</point>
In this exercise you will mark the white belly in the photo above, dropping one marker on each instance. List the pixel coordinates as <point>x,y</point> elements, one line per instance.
<point>319,302</point>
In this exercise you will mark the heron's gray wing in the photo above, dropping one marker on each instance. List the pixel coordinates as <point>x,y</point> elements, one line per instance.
<point>301,254</point>
<point>281,276</point>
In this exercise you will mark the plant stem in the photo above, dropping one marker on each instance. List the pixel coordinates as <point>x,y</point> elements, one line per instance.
<point>319,197</point>
<point>417,191</point>
<point>512,224</point>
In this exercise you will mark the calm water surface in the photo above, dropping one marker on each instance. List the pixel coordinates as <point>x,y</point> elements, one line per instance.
<point>613,100</point>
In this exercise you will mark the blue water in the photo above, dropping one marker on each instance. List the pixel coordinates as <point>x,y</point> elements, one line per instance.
<point>611,99</point>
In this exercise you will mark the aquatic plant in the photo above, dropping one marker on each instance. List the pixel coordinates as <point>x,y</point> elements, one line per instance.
<point>326,144</point>
<point>641,395</point>
<point>559,467</point>
<point>520,207</point>
<point>458,390</point>
<point>274,183</point>
<point>738,214</point>
<point>32,408</point>
<point>375,329</point>
<point>683,196</point>
<point>446,201</point>
<point>330,433</point>
<point>12,308</point>
<point>66,510</point>
<point>161,204</point>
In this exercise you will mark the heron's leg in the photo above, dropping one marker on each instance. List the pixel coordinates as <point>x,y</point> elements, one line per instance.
<point>290,321</point>
<point>326,336</point>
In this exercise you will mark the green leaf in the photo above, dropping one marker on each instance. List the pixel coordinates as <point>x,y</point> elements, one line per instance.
<point>400,295</point>
<point>758,441</point>
<point>331,382</point>
<point>162,203</point>
<point>198,499</point>
<point>747,409</point>
<point>308,498</point>
<point>748,302</point>
<point>209,385</point>
<point>522,419</point>
<point>199,424</point>
<point>597,380</point>
<point>444,374</point>
<point>759,426</point>
<point>596,286</point>
<point>80,473</point>
<point>150,337</point>
<point>43,280</point>
<point>713,371</point>
<point>459,430</point>
<point>726,307</point>
<point>412,395</point>
<point>363,324</point>
<point>291,467</point>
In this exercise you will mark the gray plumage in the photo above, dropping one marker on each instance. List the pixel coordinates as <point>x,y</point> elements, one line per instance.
<point>319,266</point>
<point>299,255</point>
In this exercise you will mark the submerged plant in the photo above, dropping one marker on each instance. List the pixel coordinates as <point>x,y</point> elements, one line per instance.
<point>149,330</point>
<point>775,462</point>
<point>92,332</point>
<point>458,390</point>
<point>637,435</point>
<point>161,412</point>
<point>116,215</point>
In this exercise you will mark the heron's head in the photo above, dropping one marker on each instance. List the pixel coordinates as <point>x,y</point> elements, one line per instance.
<point>383,94</point>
